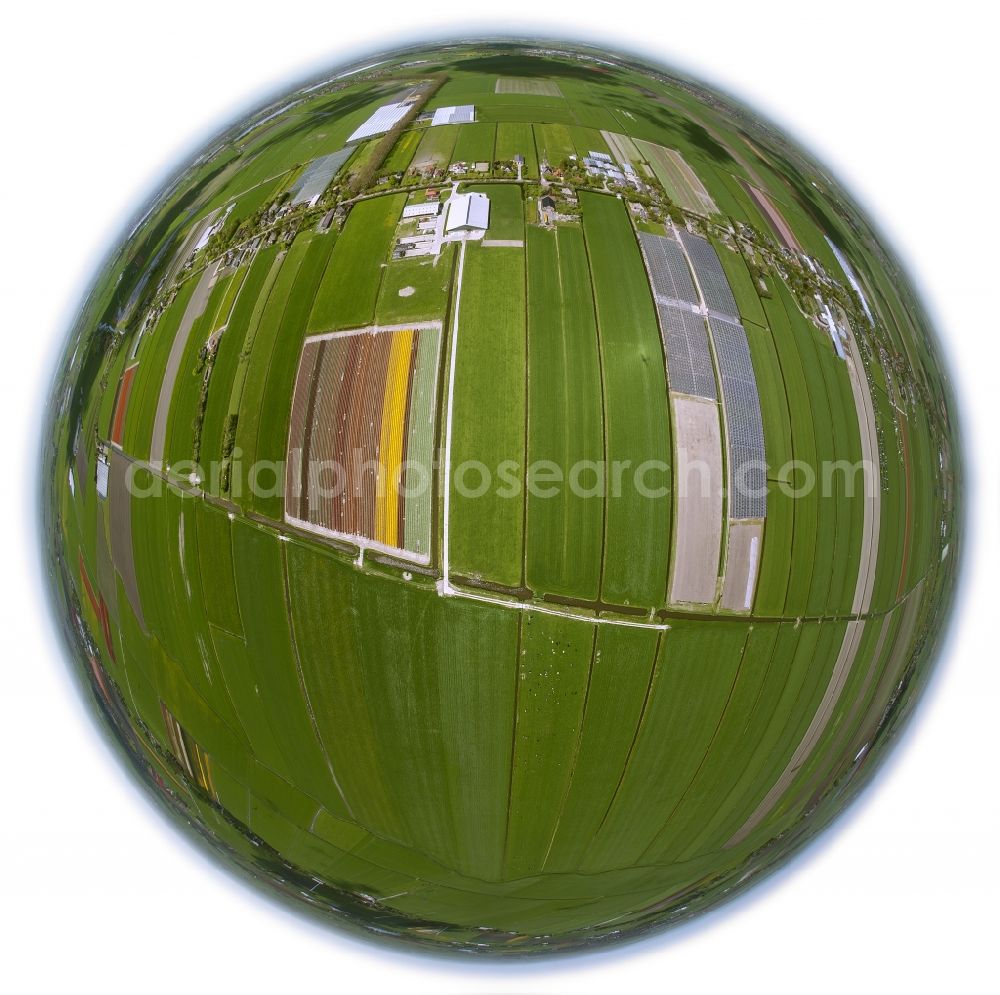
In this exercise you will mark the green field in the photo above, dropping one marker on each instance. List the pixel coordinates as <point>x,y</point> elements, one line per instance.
<point>525,107</point>
<point>436,146</point>
<point>349,289</point>
<point>491,332</point>
<point>187,387</point>
<point>517,138</point>
<point>587,140</point>
<point>835,436</point>
<point>565,539</point>
<point>475,144</point>
<point>258,358</point>
<point>773,578</point>
<point>368,730</point>
<point>153,352</point>
<point>803,441</point>
<point>637,527</point>
<point>426,284</point>
<point>402,152</point>
<point>506,210</point>
<point>553,143</point>
<point>227,353</point>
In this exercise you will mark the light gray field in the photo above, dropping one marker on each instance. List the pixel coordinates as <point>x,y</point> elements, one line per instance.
<point>742,565</point>
<point>698,507</point>
<point>531,87</point>
<point>622,148</point>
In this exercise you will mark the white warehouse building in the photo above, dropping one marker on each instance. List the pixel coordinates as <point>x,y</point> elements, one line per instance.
<point>468,212</point>
<point>421,210</point>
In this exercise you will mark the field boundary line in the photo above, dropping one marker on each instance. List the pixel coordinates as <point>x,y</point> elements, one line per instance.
<point>445,585</point>
<point>373,329</point>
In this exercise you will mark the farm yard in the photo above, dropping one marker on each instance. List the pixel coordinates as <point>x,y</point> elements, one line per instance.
<point>382,531</point>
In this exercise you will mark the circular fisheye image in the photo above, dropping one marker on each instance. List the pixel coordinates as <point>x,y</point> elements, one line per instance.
<point>502,497</point>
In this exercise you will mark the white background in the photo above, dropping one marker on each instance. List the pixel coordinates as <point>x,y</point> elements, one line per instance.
<point>99,99</point>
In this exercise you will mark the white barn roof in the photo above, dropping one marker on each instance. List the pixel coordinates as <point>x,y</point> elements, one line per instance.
<point>462,114</point>
<point>468,210</point>
<point>381,121</point>
<point>318,174</point>
<point>421,210</point>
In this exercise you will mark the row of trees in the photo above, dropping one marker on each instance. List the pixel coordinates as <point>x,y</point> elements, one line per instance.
<point>369,170</point>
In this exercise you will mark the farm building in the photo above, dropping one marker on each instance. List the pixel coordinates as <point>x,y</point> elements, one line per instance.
<point>468,211</point>
<point>317,176</point>
<point>421,210</point>
<point>462,114</point>
<point>381,121</point>
<point>103,469</point>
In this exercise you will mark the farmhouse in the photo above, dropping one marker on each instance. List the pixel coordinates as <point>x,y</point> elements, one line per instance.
<point>468,212</point>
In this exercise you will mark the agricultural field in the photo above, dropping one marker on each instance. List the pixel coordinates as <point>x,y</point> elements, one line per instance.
<point>373,540</point>
<point>678,179</point>
<point>554,143</point>
<point>415,289</point>
<point>246,401</point>
<point>587,140</point>
<point>525,107</point>
<point>564,543</point>
<point>536,87</point>
<point>402,153</point>
<point>276,397</point>
<point>229,366</point>
<point>492,338</point>
<point>436,147</point>
<point>153,355</point>
<point>366,402</point>
<point>506,210</point>
<point>517,139</point>
<point>475,143</point>
<point>184,402</point>
<point>637,530</point>
<point>349,289</point>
